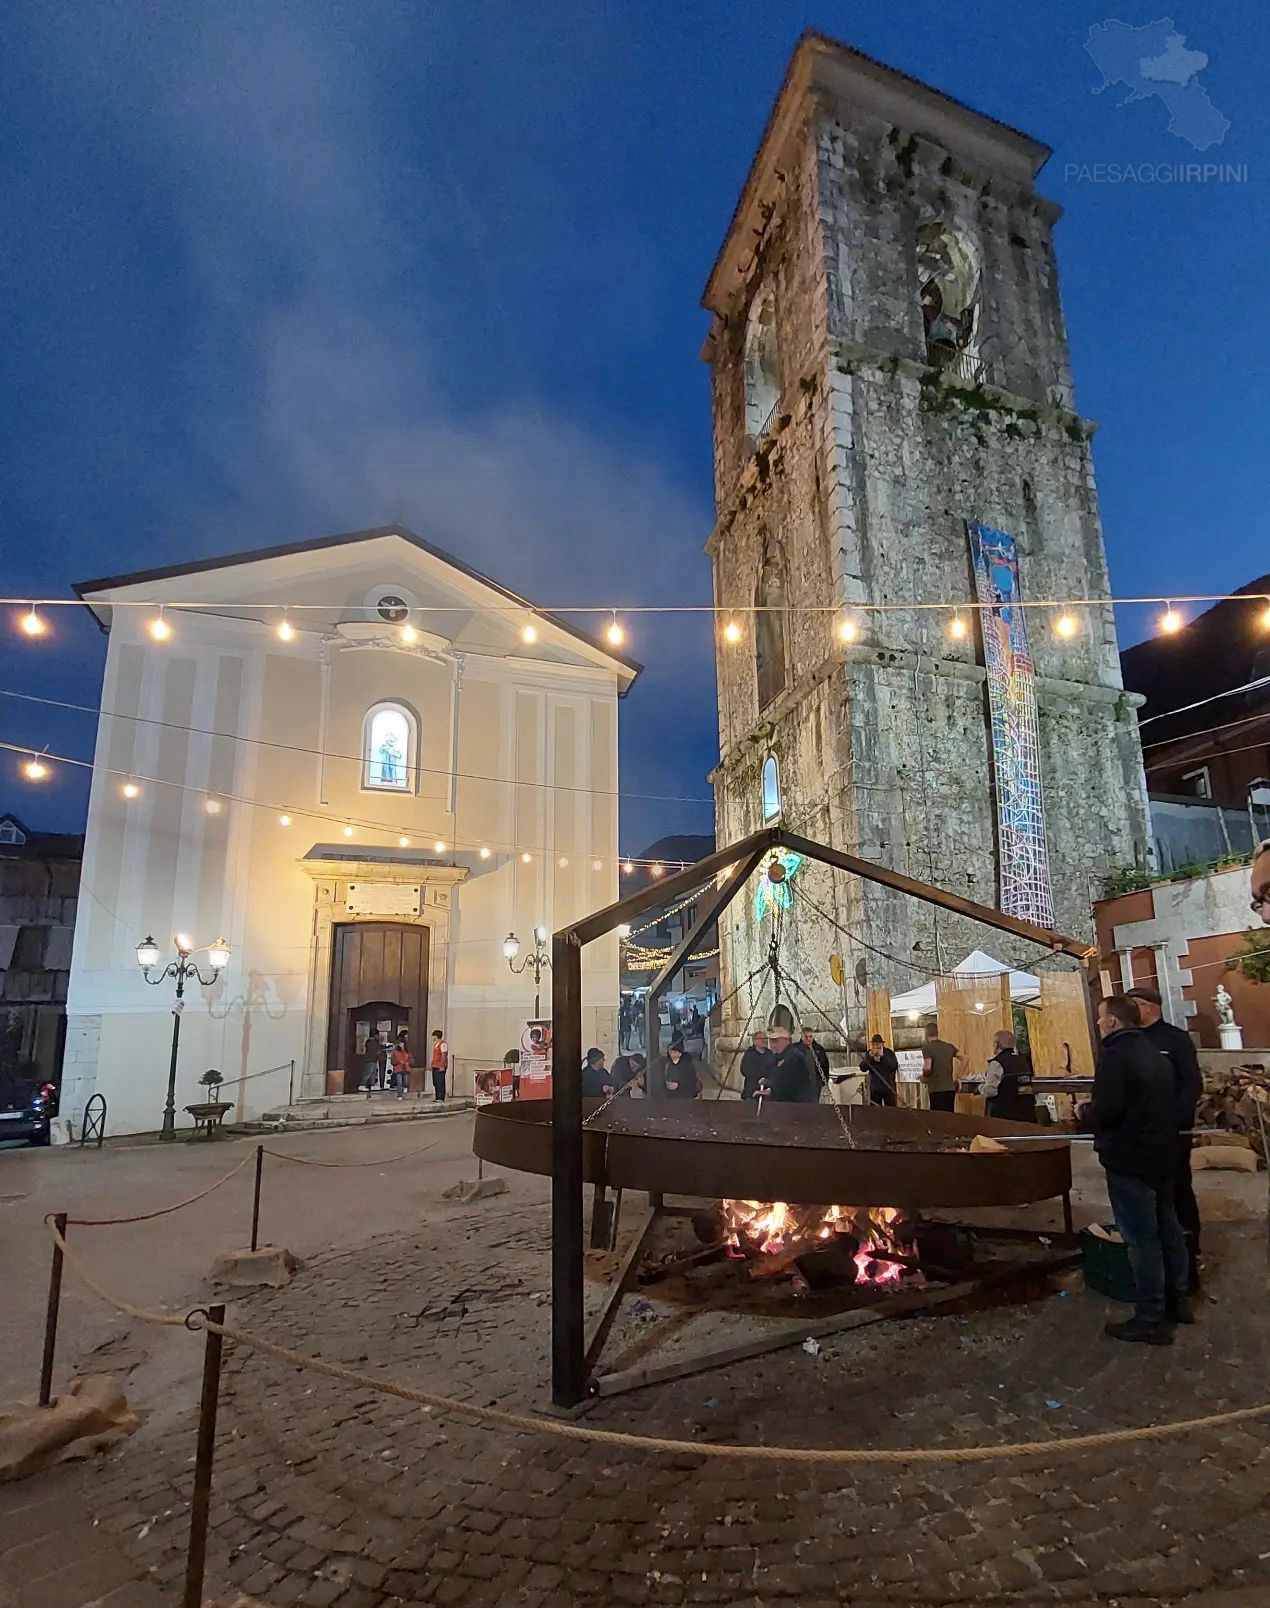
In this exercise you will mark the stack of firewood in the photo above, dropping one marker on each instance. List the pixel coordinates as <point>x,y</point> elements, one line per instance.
<point>1233,1104</point>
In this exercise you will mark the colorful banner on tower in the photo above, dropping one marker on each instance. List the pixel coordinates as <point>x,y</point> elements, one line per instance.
<point>1026,890</point>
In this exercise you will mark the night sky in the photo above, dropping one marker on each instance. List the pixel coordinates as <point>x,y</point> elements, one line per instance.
<point>272,271</point>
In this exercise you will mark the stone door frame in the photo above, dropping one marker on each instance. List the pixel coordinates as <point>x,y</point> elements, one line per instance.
<point>437,885</point>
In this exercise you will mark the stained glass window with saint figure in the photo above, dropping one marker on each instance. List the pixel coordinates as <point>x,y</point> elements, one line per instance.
<point>389,748</point>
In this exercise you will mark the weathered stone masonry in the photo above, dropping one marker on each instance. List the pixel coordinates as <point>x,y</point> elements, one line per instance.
<point>858,490</point>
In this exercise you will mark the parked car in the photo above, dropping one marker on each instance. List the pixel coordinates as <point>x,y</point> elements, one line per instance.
<point>26,1109</point>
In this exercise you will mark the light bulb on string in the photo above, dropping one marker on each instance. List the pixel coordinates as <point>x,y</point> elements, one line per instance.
<point>212,806</point>
<point>615,633</point>
<point>403,841</point>
<point>529,632</point>
<point>628,869</point>
<point>658,870</point>
<point>286,631</point>
<point>130,789</point>
<point>1171,622</point>
<point>957,628</point>
<point>159,629</point>
<point>1265,616</point>
<point>439,846</point>
<point>848,630</point>
<point>408,634</point>
<point>33,624</point>
<point>284,820</point>
<point>1066,625</point>
<point>485,853</point>
<point>35,770</point>
<point>597,865</point>
<point>526,857</point>
<point>563,862</point>
<point>348,829</point>
<point>732,630</point>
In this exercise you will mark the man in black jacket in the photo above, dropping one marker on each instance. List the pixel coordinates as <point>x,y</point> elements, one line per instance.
<point>883,1066</point>
<point>1188,1085</point>
<point>791,1075</point>
<point>755,1065</point>
<point>1133,1116</point>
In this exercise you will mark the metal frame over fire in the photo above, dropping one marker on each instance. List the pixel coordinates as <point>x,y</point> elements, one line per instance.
<point>647,1159</point>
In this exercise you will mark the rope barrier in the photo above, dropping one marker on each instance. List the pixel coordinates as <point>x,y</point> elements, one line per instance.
<point>143,1314</point>
<point>561,1430</point>
<point>521,1423</point>
<point>381,1161</point>
<point>163,1211</point>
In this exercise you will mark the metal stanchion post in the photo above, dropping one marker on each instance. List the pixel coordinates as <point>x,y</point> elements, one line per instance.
<point>200,1503</point>
<point>50,1321</point>
<point>255,1199</point>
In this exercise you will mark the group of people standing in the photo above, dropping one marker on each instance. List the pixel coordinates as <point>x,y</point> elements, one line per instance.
<point>679,1072</point>
<point>775,1067</point>
<point>386,1063</point>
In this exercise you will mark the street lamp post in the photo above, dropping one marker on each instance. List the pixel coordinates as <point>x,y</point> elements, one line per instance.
<point>538,959</point>
<point>181,968</point>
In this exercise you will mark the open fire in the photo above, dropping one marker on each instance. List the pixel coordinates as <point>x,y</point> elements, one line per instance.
<point>877,1238</point>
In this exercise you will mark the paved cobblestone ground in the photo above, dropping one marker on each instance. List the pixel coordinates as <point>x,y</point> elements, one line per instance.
<point>344,1498</point>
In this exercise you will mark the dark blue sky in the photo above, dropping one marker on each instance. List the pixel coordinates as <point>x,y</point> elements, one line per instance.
<point>277,270</point>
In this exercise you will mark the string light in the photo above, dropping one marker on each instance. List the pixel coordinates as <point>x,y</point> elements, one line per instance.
<point>1265,617</point>
<point>597,865</point>
<point>658,870</point>
<point>485,853</point>
<point>284,820</point>
<point>529,632</point>
<point>212,806</point>
<point>1066,625</point>
<point>848,630</point>
<point>957,628</point>
<point>731,631</point>
<point>285,629</point>
<point>130,790</point>
<point>32,624</point>
<point>563,862</point>
<point>348,829</point>
<point>1171,622</point>
<point>409,635</point>
<point>628,869</point>
<point>438,847</point>
<point>404,841</point>
<point>159,628</point>
<point>615,634</point>
<point>526,857</point>
<point>35,770</point>
<point>624,929</point>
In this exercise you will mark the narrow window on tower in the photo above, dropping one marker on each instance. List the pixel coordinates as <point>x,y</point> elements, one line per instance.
<point>771,789</point>
<point>390,748</point>
<point>762,366</point>
<point>769,629</point>
<point>949,282</point>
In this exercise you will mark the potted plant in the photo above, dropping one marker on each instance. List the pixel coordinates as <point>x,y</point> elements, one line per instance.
<point>210,1113</point>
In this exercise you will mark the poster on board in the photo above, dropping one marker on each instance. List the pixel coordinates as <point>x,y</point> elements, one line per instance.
<point>494,1086</point>
<point>535,1060</point>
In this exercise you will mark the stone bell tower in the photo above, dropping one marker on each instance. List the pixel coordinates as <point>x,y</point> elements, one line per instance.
<point>894,424</point>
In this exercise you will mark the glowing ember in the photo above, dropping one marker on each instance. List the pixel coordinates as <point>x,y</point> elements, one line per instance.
<point>757,1228</point>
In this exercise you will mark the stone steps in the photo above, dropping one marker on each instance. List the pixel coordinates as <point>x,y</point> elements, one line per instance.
<point>350,1111</point>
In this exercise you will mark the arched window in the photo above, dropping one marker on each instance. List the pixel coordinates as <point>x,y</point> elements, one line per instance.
<point>762,365</point>
<point>769,629</point>
<point>949,277</point>
<point>771,789</point>
<point>390,748</point>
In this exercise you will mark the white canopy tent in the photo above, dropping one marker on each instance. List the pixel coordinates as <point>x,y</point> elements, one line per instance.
<point>1025,989</point>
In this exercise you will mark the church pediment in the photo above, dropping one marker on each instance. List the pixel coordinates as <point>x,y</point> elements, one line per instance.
<point>365,588</point>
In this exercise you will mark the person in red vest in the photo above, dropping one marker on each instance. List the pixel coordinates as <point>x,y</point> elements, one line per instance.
<point>440,1062</point>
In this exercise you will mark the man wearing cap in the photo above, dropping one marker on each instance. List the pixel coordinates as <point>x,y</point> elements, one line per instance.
<point>792,1076</point>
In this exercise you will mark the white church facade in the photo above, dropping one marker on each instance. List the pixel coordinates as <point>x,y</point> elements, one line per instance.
<point>362,765</point>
